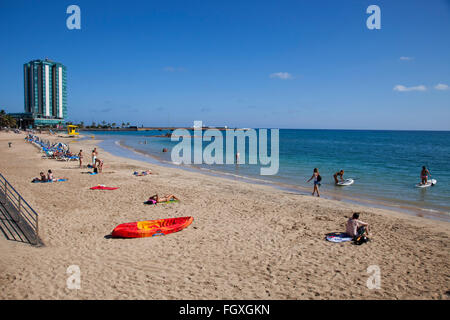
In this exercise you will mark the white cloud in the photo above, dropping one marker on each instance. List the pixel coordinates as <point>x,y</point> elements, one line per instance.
<point>401,88</point>
<point>406,58</point>
<point>281,75</point>
<point>441,86</point>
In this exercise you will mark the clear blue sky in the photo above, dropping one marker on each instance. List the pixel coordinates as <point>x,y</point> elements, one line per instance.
<point>277,64</point>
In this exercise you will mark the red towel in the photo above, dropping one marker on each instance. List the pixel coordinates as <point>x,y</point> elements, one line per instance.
<point>103,188</point>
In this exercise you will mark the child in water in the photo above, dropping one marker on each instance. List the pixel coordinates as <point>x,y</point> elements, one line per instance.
<point>317,178</point>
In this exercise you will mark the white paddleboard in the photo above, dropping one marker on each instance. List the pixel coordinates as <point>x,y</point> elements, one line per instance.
<point>429,183</point>
<point>346,182</point>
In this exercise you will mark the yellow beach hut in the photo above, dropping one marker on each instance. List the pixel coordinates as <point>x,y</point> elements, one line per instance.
<point>72,130</point>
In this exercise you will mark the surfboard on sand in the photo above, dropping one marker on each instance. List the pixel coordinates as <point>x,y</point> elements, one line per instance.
<point>429,183</point>
<point>151,228</point>
<point>346,182</point>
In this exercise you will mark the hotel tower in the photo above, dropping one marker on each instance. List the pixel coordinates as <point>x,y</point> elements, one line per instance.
<point>45,97</point>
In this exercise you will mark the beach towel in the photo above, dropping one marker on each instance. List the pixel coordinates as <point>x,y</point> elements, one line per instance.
<point>338,237</point>
<point>103,188</point>
<point>152,202</point>
<point>143,173</point>
<point>58,180</point>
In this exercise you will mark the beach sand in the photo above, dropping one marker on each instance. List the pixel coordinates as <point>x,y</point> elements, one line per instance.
<point>247,241</point>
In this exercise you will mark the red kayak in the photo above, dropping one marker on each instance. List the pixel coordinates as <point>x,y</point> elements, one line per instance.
<point>151,228</point>
<point>103,188</point>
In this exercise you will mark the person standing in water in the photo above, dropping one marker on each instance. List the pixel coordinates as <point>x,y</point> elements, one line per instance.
<point>341,176</point>
<point>424,175</point>
<point>317,178</point>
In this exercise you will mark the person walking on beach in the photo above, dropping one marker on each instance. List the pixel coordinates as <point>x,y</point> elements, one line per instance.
<point>317,178</point>
<point>80,158</point>
<point>424,175</point>
<point>341,176</point>
<point>356,227</point>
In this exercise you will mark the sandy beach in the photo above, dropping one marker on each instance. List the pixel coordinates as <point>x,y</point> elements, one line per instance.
<point>247,241</point>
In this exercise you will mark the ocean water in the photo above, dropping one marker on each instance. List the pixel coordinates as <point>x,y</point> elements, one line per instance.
<point>385,165</point>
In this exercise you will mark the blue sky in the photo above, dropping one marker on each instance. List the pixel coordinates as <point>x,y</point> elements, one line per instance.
<point>277,64</point>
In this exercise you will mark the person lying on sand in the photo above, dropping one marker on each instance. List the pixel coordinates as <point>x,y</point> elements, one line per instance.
<point>143,173</point>
<point>166,198</point>
<point>356,227</point>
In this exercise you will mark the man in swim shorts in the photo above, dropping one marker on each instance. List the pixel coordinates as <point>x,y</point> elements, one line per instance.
<point>356,227</point>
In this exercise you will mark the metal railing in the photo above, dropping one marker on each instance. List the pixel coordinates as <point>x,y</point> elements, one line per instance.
<point>23,211</point>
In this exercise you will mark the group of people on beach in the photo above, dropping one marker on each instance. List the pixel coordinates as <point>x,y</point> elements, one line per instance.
<point>97,163</point>
<point>45,178</point>
<point>317,178</point>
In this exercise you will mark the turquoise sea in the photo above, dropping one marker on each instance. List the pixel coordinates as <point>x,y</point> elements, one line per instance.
<point>386,165</point>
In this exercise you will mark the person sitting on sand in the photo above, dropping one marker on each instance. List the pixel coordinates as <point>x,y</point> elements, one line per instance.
<point>424,175</point>
<point>356,227</point>
<point>98,165</point>
<point>50,175</point>
<point>166,198</point>
<point>341,176</point>
<point>42,178</point>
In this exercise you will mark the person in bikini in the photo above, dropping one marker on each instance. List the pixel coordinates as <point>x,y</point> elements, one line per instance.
<point>424,175</point>
<point>50,176</point>
<point>159,199</point>
<point>94,156</point>
<point>80,158</point>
